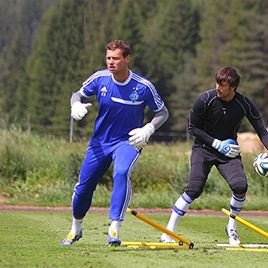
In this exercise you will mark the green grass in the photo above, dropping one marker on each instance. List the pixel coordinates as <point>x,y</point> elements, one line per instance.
<point>31,239</point>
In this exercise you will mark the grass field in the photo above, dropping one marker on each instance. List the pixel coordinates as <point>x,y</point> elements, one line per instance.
<point>31,239</point>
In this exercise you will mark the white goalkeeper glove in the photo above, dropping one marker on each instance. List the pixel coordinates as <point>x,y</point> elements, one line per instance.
<point>229,147</point>
<point>79,110</point>
<point>140,136</point>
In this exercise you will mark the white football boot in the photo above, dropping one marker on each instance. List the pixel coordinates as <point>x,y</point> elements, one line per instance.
<point>166,239</point>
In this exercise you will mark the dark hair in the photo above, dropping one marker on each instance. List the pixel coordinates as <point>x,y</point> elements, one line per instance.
<point>228,74</point>
<point>124,46</point>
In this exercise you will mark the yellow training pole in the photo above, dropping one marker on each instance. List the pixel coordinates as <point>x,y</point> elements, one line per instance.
<point>153,245</point>
<point>244,222</point>
<point>159,227</point>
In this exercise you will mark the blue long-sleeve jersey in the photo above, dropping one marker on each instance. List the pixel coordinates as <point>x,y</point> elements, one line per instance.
<point>121,105</point>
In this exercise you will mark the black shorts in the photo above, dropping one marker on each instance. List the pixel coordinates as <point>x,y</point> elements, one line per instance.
<point>201,162</point>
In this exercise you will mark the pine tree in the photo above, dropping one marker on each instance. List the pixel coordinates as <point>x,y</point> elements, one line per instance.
<point>214,33</point>
<point>20,23</point>
<point>99,22</point>
<point>248,47</point>
<point>55,67</point>
<point>236,36</point>
<point>131,30</point>
<point>170,44</point>
<point>71,60</point>
<point>14,69</point>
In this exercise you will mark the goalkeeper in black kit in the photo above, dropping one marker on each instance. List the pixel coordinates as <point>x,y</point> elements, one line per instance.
<point>214,121</point>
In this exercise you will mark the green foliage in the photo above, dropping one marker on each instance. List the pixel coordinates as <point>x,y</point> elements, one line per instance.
<point>19,24</point>
<point>74,163</point>
<point>41,170</point>
<point>214,33</point>
<point>30,161</point>
<point>247,48</point>
<point>13,165</point>
<point>170,39</point>
<point>48,48</point>
<point>98,26</point>
<point>55,66</point>
<point>134,20</point>
<point>235,37</point>
<point>165,171</point>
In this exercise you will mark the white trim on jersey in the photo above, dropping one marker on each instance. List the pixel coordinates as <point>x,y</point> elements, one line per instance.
<point>146,82</point>
<point>82,92</point>
<point>125,82</point>
<point>126,101</point>
<point>157,99</point>
<point>97,74</point>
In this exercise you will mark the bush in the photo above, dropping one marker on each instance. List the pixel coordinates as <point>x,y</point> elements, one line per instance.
<point>74,161</point>
<point>38,170</point>
<point>13,164</point>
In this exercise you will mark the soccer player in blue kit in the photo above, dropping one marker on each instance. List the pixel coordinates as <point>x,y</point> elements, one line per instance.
<point>214,121</point>
<point>119,135</point>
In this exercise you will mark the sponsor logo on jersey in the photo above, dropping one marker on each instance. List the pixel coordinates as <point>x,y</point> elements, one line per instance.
<point>103,91</point>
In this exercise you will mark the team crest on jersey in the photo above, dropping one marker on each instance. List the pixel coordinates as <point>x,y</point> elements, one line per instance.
<point>134,96</point>
<point>103,91</point>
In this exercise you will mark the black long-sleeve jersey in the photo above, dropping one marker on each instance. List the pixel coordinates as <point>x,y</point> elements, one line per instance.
<point>212,118</point>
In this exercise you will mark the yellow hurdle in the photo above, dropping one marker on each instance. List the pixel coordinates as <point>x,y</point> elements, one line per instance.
<point>244,222</point>
<point>249,249</point>
<point>153,245</point>
<point>161,228</point>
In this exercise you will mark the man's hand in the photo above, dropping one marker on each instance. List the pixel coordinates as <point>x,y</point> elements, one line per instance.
<point>79,110</point>
<point>229,147</point>
<point>140,136</point>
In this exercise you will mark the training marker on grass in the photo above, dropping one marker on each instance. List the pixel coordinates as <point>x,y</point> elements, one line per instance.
<point>246,223</point>
<point>249,249</point>
<point>153,245</point>
<point>243,246</point>
<point>161,228</point>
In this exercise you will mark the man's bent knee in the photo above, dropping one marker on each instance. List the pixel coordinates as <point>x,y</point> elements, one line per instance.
<point>193,194</point>
<point>240,188</point>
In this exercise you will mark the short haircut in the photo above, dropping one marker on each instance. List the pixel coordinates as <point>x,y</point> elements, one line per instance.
<point>119,44</point>
<point>228,74</point>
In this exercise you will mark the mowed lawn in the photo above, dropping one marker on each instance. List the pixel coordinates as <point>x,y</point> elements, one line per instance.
<point>32,239</point>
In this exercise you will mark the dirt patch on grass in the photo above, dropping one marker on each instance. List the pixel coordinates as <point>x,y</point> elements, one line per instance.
<point>4,207</point>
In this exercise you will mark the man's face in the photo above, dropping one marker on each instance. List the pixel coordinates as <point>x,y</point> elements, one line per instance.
<point>116,62</point>
<point>225,91</point>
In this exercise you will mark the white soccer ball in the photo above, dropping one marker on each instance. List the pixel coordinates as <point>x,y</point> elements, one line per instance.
<point>260,164</point>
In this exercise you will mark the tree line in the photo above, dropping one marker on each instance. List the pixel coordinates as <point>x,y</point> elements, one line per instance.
<point>49,47</point>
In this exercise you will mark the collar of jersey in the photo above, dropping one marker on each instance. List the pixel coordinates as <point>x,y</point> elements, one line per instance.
<point>125,82</point>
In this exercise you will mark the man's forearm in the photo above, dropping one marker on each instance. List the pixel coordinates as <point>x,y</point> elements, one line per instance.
<point>77,96</point>
<point>160,118</point>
